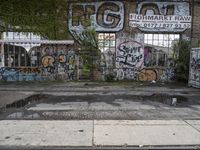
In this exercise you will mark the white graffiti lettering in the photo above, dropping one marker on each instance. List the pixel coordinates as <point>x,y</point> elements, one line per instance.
<point>101,16</point>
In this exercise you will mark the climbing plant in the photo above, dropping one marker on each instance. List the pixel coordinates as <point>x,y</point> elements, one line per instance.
<point>182,57</point>
<point>47,18</point>
<point>90,52</point>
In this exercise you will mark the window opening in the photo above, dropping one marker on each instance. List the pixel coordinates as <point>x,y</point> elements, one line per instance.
<point>159,48</point>
<point>106,41</point>
<point>107,46</point>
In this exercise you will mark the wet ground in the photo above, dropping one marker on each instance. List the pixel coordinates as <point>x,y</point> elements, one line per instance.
<point>131,107</point>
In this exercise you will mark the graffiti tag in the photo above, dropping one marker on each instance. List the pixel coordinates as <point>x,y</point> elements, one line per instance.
<point>147,75</point>
<point>130,53</point>
<point>102,16</point>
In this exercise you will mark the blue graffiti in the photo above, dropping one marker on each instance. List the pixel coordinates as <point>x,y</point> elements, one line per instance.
<point>14,74</point>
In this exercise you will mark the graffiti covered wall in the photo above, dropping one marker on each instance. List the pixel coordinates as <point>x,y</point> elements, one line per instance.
<point>123,25</point>
<point>194,77</point>
<point>104,16</point>
<point>135,61</point>
<point>129,55</point>
<point>47,62</point>
<point>20,74</point>
<point>59,62</point>
<point>131,58</point>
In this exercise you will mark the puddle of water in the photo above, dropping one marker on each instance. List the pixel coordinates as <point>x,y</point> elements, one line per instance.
<point>166,99</point>
<point>7,137</point>
<point>15,115</point>
<point>33,116</point>
<point>26,101</point>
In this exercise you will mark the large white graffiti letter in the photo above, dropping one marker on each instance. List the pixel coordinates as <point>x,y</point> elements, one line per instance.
<point>80,14</point>
<point>107,16</point>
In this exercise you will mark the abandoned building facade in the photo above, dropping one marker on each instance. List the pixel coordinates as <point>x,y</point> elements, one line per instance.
<point>135,40</point>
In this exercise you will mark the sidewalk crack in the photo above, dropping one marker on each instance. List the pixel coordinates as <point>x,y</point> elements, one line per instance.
<point>93,134</point>
<point>192,126</point>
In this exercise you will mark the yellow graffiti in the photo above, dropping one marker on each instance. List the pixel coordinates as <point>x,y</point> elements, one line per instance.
<point>147,75</point>
<point>47,61</point>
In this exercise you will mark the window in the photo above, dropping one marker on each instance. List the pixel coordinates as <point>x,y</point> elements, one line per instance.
<point>163,40</point>
<point>106,41</point>
<point>17,54</point>
<point>159,48</point>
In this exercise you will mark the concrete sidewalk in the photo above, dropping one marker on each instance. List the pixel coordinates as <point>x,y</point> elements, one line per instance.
<point>94,133</point>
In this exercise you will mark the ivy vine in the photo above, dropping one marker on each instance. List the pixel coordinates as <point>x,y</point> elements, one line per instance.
<point>47,18</point>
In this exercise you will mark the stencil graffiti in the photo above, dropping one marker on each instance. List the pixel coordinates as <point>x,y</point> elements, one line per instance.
<point>101,16</point>
<point>130,53</point>
<point>20,74</point>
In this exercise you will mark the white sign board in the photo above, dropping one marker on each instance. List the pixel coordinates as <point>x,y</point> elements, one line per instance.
<point>160,22</point>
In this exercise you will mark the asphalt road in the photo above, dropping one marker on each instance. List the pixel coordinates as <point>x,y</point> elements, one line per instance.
<point>80,101</point>
<point>94,100</point>
<point>130,107</point>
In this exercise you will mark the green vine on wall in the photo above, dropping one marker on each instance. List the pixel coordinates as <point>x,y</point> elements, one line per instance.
<point>90,52</point>
<point>182,57</point>
<point>47,18</point>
